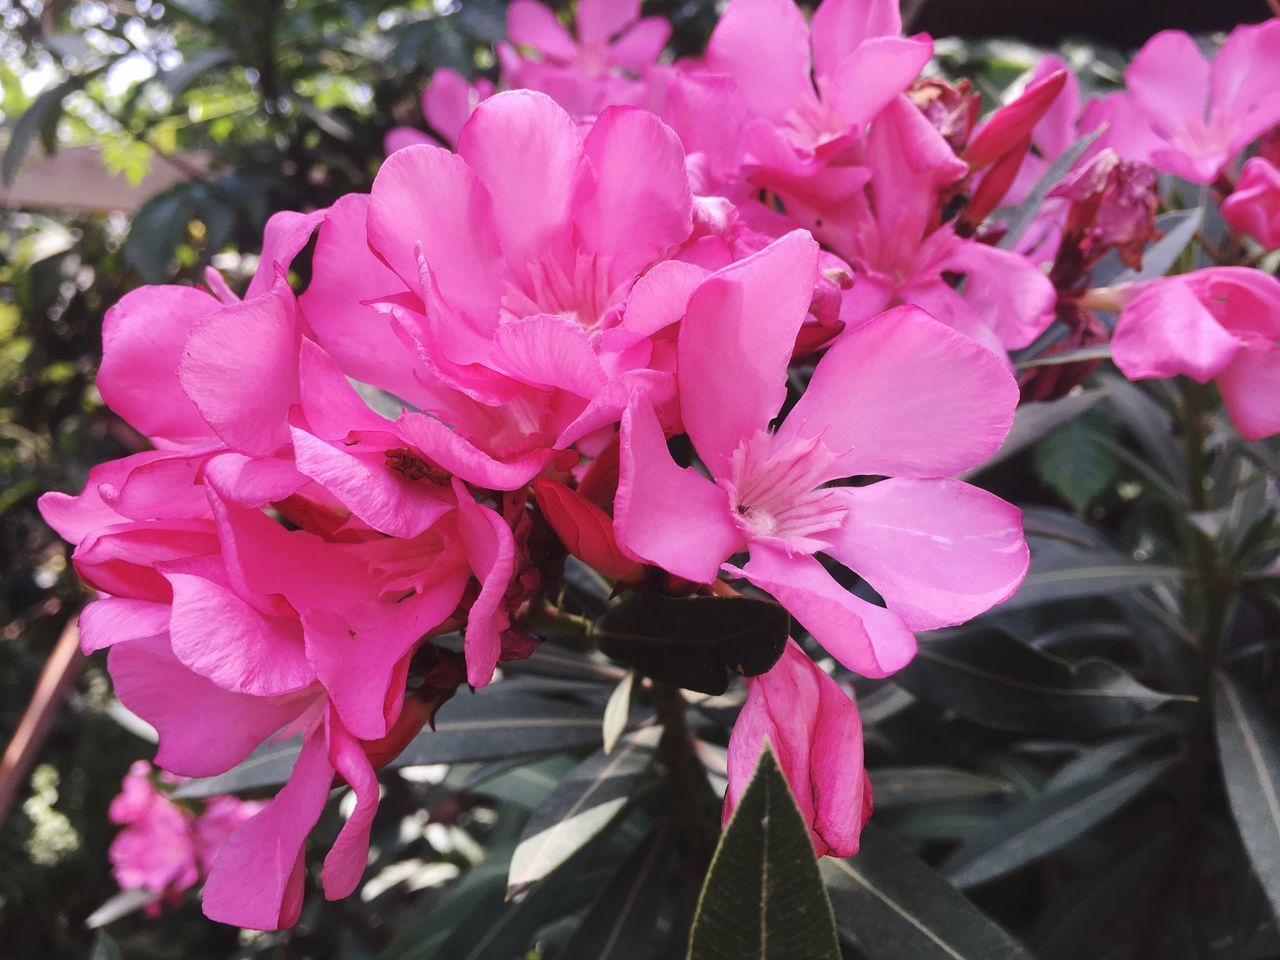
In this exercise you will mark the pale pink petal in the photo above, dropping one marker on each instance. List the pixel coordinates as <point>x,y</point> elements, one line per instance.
<point>1169,79</point>
<point>257,879</point>
<point>903,395</point>
<point>447,103</point>
<point>398,138</point>
<point>224,639</point>
<point>601,20</point>
<point>513,140</point>
<point>641,207</point>
<point>736,342</point>
<point>344,865</point>
<point>939,552</point>
<point>490,550</point>
<point>1009,292</point>
<point>142,341</point>
<point>867,639</point>
<point>639,46</point>
<point>549,352</point>
<point>355,471</point>
<point>1244,300</point>
<point>426,198</point>
<point>815,733</point>
<point>330,404</point>
<point>240,369</point>
<point>1166,331</point>
<point>452,452</point>
<point>204,730</point>
<point>841,26</point>
<point>113,620</point>
<point>659,298</point>
<point>1250,388</point>
<point>1244,90</point>
<point>535,25</point>
<point>283,238</point>
<point>667,515</point>
<point>764,45</point>
<point>874,74</point>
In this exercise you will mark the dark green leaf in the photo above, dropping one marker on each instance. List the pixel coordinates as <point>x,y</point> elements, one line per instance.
<point>1034,421</point>
<point>105,948</point>
<point>908,786</point>
<point>46,108</point>
<point>616,712</point>
<point>1048,823</point>
<point>1249,748</point>
<point>620,925</point>
<point>1094,761</point>
<point>1179,228</point>
<point>485,20</point>
<point>999,681</point>
<point>693,642</point>
<point>156,231</point>
<point>195,66</point>
<point>586,802</point>
<point>763,897</point>
<point>1074,464</point>
<point>1062,572</point>
<point>521,783</point>
<point>894,907</point>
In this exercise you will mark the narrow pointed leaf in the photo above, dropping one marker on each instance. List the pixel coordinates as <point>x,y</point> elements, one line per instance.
<point>894,907</point>
<point>764,897</point>
<point>1035,420</point>
<point>908,786</point>
<point>1024,214</point>
<point>1048,823</point>
<point>586,801</point>
<point>1249,748</point>
<point>620,925</point>
<point>616,712</point>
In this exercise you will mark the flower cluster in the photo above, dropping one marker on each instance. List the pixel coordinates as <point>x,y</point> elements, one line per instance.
<point>788,251</point>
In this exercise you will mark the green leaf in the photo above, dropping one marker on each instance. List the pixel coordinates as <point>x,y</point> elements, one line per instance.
<point>486,726</point>
<point>1021,216</point>
<point>620,925</point>
<point>1179,228</point>
<point>693,642</point>
<point>105,947</point>
<point>121,905</point>
<point>997,680</point>
<point>46,108</point>
<point>1097,760</point>
<point>1060,571</point>
<point>1249,748</point>
<point>197,65</point>
<point>616,711</point>
<point>908,786</point>
<point>1074,464</point>
<point>763,897</point>
<point>894,907</point>
<point>1048,823</point>
<point>1034,421</point>
<point>156,231</point>
<point>586,802</point>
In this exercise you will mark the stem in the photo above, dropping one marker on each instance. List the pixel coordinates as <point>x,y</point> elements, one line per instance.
<point>683,777</point>
<point>1207,602</point>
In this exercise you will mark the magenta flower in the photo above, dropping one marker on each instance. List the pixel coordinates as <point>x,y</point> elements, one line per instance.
<point>1220,324</point>
<point>1254,206</point>
<point>447,103</point>
<point>816,734</point>
<point>901,396</point>
<point>1199,113</point>
<point>598,69</point>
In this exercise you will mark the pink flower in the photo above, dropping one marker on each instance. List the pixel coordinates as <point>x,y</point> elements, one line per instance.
<point>816,734</point>
<point>901,396</point>
<point>1254,207</point>
<point>614,46</point>
<point>1201,113</point>
<point>891,233</point>
<point>1219,324</point>
<point>812,91</point>
<point>447,103</point>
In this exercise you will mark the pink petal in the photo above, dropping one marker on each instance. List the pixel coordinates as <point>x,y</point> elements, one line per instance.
<point>452,452</point>
<point>204,730</point>
<point>515,139</point>
<point>1254,207</point>
<point>240,369</point>
<point>1013,123</point>
<point>74,518</point>
<point>939,552</point>
<point>867,639</point>
<point>655,387</point>
<point>764,46</point>
<point>252,482</point>
<point>283,238</point>
<point>668,515</point>
<point>142,341</point>
<point>903,395</point>
<point>1169,79</point>
<point>447,103</point>
<point>123,559</point>
<point>841,26</point>
<point>398,138</point>
<point>1010,293</point>
<point>344,865</point>
<point>601,20</point>
<point>490,551</point>
<point>257,879</point>
<point>166,488</point>
<point>112,620</point>
<point>641,206</point>
<point>426,198</point>
<point>329,402</point>
<point>639,46</point>
<point>1244,92</point>
<point>1250,388</point>
<point>1166,331</point>
<point>549,352</point>
<point>736,342</point>
<point>874,74</point>
<point>585,530</point>
<point>224,639</point>
<point>534,25</point>
<point>659,298</point>
<point>816,735</point>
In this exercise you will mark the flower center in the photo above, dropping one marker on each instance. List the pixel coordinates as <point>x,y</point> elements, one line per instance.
<point>582,294</point>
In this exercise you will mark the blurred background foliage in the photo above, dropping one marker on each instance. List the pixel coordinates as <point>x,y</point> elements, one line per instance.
<point>253,106</point>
